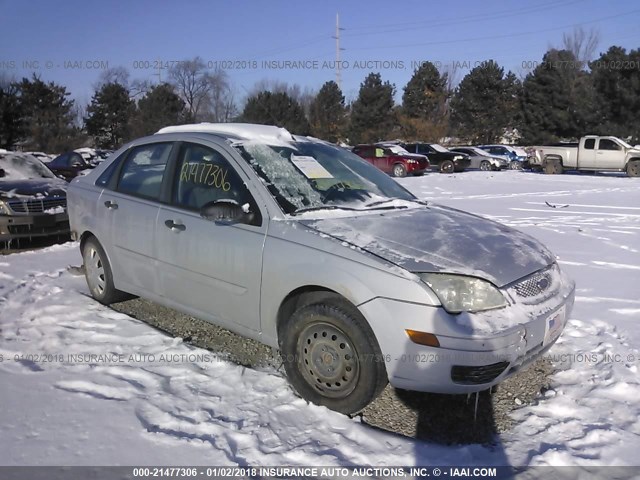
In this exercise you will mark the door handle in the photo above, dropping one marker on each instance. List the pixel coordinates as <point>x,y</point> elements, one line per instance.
<point>175,226</point>
<point>111,205</point>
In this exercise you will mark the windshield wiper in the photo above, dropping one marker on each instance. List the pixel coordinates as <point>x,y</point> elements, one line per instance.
<point>322,207</point>
<point>380,202</point>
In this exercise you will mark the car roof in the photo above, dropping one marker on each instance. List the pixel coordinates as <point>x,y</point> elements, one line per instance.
<point>237,131</point>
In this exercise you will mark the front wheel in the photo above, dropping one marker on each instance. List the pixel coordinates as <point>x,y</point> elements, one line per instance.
<point>633,168</point>
<point>331,357</point>
<point>399,170</point>
<point>485,166</point>
<point>447,167</point>
<point>515,165</point>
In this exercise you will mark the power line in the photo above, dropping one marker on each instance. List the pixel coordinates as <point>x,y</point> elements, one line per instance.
<point>494,37</point>
<point>376,29</point>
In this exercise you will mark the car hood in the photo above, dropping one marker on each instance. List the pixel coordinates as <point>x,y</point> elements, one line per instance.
<point>414,155</point>
<point>441,239</point>
<point>48,187</point>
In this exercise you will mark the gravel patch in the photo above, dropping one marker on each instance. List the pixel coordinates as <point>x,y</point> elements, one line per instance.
<point>447,419</point>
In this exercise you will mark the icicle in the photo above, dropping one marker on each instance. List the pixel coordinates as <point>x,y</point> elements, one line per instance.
<point>475,411</point>
<point>468,397</point>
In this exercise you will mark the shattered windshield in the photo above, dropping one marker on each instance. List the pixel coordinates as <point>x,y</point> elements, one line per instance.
<point>310,175</point>
<point>19,166</point>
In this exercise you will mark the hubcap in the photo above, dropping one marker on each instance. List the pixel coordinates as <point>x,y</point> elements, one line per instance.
<point>398,170</point>
<point>447,167</point>
<point>94,269</point>
<point>485,166</point>
<point>327,360</point>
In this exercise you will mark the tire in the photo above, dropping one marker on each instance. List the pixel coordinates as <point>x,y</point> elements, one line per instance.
<point>399,170</point>
<point>633,168</point>
<point>552,166</point>
<point>331,356</point>
<point>98,274</point>
<point>515,165</point>
<point>485,166</point>
<point>447,167</point>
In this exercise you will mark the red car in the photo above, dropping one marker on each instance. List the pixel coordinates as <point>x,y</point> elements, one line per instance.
<point>393,159</point>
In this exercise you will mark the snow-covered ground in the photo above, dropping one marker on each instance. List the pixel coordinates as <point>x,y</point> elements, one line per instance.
<point>151,399</point>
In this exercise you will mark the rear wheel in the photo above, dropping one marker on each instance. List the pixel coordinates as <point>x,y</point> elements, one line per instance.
<point>552,166</point>
<point>447,167</point>
<point>399,170</point>
<point>331,356</point>
<point>97,271</point>
<point>633,168</point>
<point>485,165</point>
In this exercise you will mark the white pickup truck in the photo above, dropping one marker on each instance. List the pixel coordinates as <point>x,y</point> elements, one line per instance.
<point>592,153</point>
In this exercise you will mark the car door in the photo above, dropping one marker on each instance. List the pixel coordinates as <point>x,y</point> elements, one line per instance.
<point>210,269</point>
<point>130,209</point>
<point>586,155</point>
<point>610,154</point>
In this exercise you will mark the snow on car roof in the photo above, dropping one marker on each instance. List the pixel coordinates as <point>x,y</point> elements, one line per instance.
<point>246,131</point>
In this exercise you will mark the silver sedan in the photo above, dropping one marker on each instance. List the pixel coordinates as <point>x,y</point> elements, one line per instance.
<point>307,248</point>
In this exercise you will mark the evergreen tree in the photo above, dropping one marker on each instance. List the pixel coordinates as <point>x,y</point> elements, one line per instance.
<point>616,81</point>
<point>485,103</point>
<point>372,114</point>
<point>558,100</point>
<point>47,116</point>
<point>279,109</point>
<point>11,124</point>
<point>160,107</point>
<point>425,95</point>
<point>109,116</point>
<point>328,113</point>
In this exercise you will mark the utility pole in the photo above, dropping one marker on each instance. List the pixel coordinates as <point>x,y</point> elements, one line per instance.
<point>338,50</point>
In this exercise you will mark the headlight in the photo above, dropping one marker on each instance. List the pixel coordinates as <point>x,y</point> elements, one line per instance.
<point>458,293</point>
<point>4,210</point>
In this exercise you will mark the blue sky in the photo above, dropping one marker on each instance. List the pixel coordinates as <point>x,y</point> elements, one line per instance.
<point>139,34</point>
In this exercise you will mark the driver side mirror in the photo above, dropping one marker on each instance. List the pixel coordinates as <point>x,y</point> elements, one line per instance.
<point>223,211</point>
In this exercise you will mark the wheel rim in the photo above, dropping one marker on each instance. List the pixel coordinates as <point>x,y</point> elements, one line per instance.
<point>327,360</point>
<point>513,165</point>
<point>398,171</point>
<point>94,269</point>
<point>447,167</point>
<point>485,166</point>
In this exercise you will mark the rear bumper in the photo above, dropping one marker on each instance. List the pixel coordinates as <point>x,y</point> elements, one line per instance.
<point>32,226</point>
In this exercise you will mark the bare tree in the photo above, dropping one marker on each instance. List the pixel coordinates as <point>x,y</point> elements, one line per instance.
<point>582,43</point>
<point>207,95</point>
<point>119,75</point>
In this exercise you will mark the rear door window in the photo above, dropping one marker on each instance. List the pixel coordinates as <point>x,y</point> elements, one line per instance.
<point>143,170</point>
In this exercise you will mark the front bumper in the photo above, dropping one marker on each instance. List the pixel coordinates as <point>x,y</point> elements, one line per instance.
<point>462,164</point>
<point>417,168</point>
<point>466,361</point>
<point>14,227</point>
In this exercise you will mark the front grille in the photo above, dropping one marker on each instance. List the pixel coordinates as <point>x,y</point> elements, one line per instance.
<point>467,375</point>
<point>38,230</point>
<point>37,205</point>
<point>538,286</point>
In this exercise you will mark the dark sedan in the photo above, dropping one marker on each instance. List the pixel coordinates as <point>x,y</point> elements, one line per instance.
<point>33,201</point>
<point>69,165</point>
<point>445,160</point>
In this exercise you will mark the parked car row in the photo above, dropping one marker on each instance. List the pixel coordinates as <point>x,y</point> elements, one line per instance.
<point>414,158</point>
